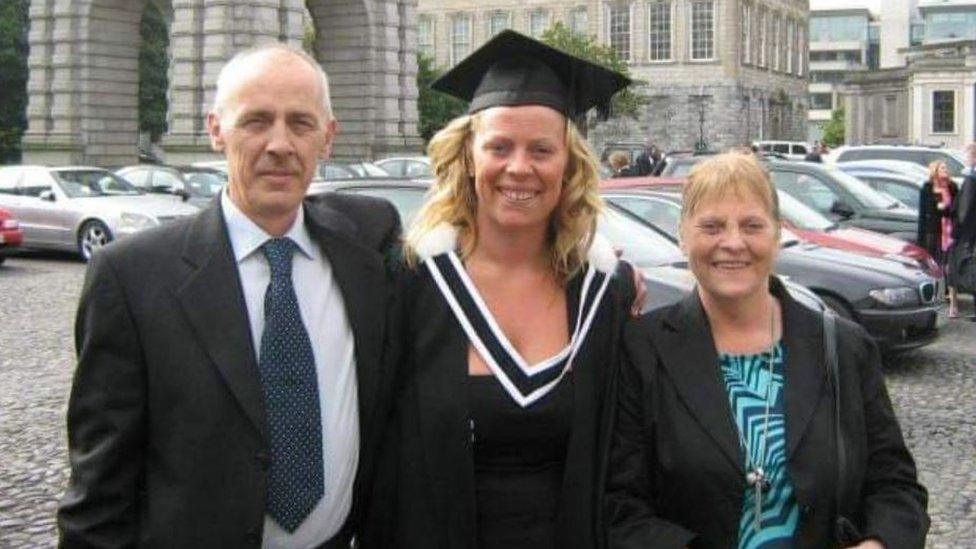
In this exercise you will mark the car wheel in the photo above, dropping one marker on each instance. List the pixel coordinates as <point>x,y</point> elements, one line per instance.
<point>92,236</point>
<point>839,307</point>
<point>2,259</point>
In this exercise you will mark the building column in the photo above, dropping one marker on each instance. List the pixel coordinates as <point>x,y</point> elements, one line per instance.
<point>969,112</point>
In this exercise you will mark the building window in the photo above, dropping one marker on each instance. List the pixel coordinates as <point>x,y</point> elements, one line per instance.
<point>497,22</point>
<point>460,37</point>
<point>425,36</point>
<point>619,22</point>
<point>762,28</point>
<point>790,41</point>
<point>702,30</point>
<point>777,42</point>
<point>801,49</point>
<point>538,23</point>
<point>821,101</point>
<point>659,31</point>
<point>578,22</point>
<point>745,33</point>
<point>943,112</point>
<point>887,127</point>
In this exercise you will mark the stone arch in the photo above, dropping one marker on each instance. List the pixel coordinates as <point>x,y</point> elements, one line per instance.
<point>83,82</point>
<point>368,49</point>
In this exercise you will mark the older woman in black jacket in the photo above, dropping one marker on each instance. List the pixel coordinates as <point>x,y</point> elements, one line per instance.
<point>725,432</point>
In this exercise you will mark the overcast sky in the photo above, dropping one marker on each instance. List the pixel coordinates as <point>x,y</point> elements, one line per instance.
<point>873,5</point>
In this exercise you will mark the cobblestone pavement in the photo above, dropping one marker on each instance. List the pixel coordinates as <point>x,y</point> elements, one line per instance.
<point>933,389</point>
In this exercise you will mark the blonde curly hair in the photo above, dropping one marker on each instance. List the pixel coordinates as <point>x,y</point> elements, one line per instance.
<point>452,197</point>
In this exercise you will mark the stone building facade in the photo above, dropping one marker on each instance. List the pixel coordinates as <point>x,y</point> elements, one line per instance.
<point>725,72</point>
<point>931,101</point>
<point>83,82</point>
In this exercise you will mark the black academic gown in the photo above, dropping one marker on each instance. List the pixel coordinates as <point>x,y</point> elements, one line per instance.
<point>426,487</point>
<point>677,477</point>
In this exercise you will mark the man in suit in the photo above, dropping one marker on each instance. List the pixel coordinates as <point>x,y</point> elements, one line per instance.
<point>646,160</point>
<point>964,229</point>
<point>230,383</point>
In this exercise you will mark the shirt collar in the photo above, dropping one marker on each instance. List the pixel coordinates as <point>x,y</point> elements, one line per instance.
<point>246,236</point>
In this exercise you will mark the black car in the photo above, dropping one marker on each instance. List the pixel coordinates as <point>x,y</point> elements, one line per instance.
<point>832,192</point>
<point>896,304</point>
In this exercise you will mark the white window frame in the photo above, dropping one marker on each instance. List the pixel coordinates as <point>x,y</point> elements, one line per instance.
<point>745,33</point>
<point>452,55</point>
<point>691,34</point>
<point>670,41</point>
<point>432,54</point>
<point>763,35</point>
<point>491,17</point>
<point>573,12</point>
<point>955,112</point>
<point>547,16</point>
<point>801,48</point>
<point>608,10</point>
<point>790,43</point>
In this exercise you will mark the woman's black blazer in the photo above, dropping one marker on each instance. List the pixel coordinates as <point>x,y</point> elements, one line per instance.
<point>930,217</point>
<point>676,474</point>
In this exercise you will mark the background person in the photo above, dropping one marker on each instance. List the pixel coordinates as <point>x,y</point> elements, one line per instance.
<point>937,199</point>
<point>229,388</point>
<point>620,164</point>
<point>961,260</point>
<point>511,316</point>
<point>728,391</point>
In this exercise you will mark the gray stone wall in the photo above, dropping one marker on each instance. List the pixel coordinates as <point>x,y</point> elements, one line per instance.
<point>83,81</point>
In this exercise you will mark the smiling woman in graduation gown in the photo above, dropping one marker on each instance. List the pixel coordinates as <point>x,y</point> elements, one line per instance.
<point>489,449</point>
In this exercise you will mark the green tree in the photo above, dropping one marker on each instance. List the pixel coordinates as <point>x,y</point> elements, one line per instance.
<point>153,69</point>
<point>626,102</point>
<point>833,131</point>
<point>436,109</point>
<point>13,77</point>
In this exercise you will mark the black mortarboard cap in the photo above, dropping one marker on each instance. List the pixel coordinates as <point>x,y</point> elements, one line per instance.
<point>512,69</point>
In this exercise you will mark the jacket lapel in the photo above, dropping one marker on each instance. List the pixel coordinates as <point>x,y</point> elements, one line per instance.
<point>361,277</point>
<point>212,300</point>
<point>691,361</point>
<point>805,370</point>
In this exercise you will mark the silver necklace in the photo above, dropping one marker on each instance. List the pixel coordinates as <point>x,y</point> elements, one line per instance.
<point>755,474</point>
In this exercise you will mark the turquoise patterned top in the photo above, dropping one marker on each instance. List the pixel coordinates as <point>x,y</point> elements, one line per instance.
<point>746,378</point>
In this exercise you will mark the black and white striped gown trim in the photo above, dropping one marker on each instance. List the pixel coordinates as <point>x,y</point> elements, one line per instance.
<point>525,383</point>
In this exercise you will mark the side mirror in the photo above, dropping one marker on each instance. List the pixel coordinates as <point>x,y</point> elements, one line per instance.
<point>182,193</point>
<point>47,195</point>
<point>842,209</point>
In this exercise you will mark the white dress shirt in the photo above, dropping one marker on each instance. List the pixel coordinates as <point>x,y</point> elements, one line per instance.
<point>324,314</point>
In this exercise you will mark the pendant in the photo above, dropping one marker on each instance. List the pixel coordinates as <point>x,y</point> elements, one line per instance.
<point>757,479</point>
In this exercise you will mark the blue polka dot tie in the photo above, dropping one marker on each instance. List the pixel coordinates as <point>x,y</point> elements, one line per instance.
<point>291,396</point>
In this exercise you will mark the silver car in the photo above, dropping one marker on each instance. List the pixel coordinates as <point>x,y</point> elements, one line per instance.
<point>80,208</point>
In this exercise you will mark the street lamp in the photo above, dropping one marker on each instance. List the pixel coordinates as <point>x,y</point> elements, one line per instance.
<point>701,145</point>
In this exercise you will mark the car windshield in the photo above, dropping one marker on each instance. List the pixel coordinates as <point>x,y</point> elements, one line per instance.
<point>87,183</point>
<point>802,216</point>
<point>205,183</point>
<point>864,194</point>
<point>681,168</point>
<point>641,245</point>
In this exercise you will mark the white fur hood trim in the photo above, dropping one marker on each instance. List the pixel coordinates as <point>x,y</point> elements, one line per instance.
<point>441,239</point>
<point>601,254</point>
<point>444,238</point>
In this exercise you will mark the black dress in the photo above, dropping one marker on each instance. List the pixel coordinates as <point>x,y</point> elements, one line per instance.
<point>519,458</point>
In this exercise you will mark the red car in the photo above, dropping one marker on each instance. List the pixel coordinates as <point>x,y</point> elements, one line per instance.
<point>10,234</point>
<point>810,226</point>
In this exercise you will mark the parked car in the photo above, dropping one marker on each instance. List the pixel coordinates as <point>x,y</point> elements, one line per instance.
<point>923,156</point>
<point>844,198</point>
<point>902,186</point>
<point>792,150</point>
<point>214,164</point>
<point>641,244</point>
<point>80,209</point>
<point>192,184</point>
<point>900,167</point>
<point>408,167</point>
<point>807,224</point>
<point>896,304</point>
<point>11,235</point>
